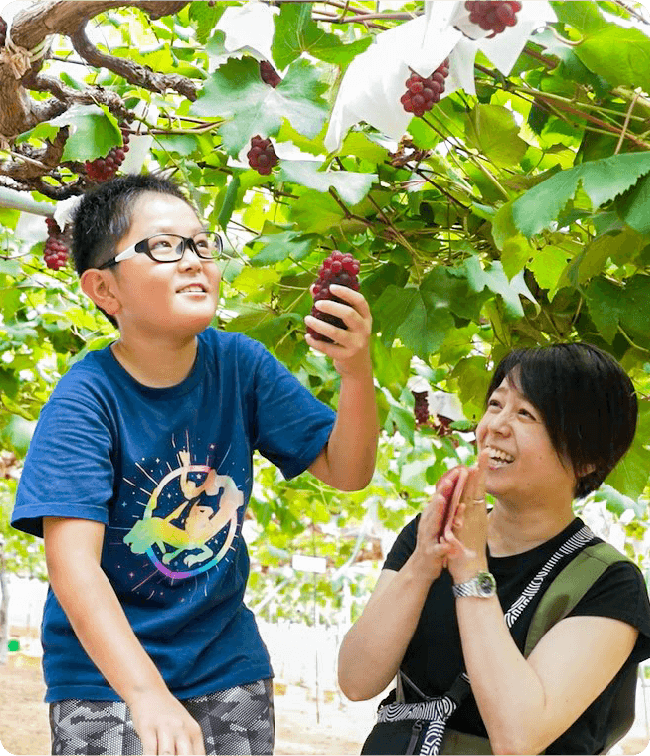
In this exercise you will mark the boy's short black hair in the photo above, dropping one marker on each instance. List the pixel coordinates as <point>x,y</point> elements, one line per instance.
<point>104,216</point>
<point>586,400</point>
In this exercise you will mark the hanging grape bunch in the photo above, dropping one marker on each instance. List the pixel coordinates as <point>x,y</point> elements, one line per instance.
<point>103,169</point>
<point>56,250</point>
<point>3,32</point>
<point>340,269</point>
<point>421,93</point>
<point>268,74</point>
<point>261,155</point>
<point>494,15</point>
<point>421,407</point>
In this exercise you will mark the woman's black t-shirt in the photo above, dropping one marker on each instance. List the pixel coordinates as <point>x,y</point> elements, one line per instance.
<point>433,658</point>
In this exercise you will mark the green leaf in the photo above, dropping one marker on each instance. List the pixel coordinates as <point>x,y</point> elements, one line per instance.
<point>634,206</point>
<point>404,313</point>
<point>583,15</point>
<point>548,264</point>
<point>493,131</point>
<point>236,91</point>
<point>617,502</point>
<point>285,245</point>
<point>621,56</point>
<point>494,279</point>
<point>229,202</point>
<point>296,33</point>
<point>93,131</point>
<point>603,300</point>
<point>602,180</point>
<point>205,16</point>
<point>351,187</point>
<point>358,144</point>
<point>450,290</point>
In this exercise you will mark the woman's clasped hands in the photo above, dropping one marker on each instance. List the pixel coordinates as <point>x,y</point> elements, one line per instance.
<point>452,532</point>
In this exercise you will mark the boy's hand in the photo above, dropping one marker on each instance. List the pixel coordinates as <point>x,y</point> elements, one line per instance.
<point>165,726</point>
<point>350,350</point>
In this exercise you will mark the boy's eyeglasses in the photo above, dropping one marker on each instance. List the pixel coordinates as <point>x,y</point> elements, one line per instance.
<point>164,248</point>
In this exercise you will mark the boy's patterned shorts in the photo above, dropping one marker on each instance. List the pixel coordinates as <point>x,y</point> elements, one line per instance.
<point>235,721</point>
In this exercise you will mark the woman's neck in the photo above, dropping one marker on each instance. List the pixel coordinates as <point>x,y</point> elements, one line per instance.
<point>513,529</point>
<point>157,363</point>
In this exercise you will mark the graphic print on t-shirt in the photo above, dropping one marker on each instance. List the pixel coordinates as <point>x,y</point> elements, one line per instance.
<point>187,538</point>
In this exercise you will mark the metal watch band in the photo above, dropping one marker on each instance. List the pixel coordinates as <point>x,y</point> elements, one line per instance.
<point>482,585</point>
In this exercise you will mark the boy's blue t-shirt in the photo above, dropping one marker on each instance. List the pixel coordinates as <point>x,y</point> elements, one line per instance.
<point>169,472</point>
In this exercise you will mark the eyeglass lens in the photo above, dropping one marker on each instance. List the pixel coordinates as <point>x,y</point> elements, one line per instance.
<point>170,247</point>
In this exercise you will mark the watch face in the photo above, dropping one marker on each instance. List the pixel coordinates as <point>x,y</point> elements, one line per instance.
<point>486,584</point>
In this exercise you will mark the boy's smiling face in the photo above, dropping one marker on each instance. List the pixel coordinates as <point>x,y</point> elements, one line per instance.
<point>173,297</point>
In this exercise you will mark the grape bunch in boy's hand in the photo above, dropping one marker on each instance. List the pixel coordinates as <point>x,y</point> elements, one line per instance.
<point>340,323</point>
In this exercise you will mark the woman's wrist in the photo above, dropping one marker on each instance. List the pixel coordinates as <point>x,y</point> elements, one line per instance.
<point>462,570</point>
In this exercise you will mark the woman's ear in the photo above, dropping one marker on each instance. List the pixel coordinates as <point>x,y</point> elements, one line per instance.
<point>99,285</point>
<point>584,470</point>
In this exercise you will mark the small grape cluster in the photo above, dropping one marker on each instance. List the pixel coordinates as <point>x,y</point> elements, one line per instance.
<point>103,169</point>
<point>261,155</point>
<point>3,32</point>
<point>56,250</point>
<point>338,268</point>
<point>421,407</point>
<point>493,15</point>
<point>268,74</point>
<point>421,93</point>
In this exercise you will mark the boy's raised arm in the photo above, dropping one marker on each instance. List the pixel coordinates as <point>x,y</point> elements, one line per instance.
<point>348,460</point>
<point>73,550</point>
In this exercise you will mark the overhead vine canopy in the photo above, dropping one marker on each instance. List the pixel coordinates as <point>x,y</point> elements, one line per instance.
<point>502,198</point>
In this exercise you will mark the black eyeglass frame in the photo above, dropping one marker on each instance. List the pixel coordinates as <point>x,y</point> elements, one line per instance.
<point>142,247</point>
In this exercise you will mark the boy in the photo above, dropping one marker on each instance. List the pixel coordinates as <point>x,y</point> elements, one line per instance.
<point>138,475</point>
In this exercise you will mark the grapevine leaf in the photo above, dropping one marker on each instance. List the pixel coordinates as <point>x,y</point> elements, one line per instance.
<point>602,180</point>
<point>633,206</point>
<point>621,56</point>
<point>228,202</point>
<point>583,15</point>
<point>296,33</point>
<point>236,92</point>
<point>351,187</point>
<point>603,300</point>
<point>630,476</point>
<point>282,246</point>
<point>449,288</point>
<point>548,264</point>
<point>403,313</point>
<point>358,144</point>
<point>93,131</point>
<point>617,502</point>
<point>494,279</point>
<point>205,16</point>
<point>493,131</point>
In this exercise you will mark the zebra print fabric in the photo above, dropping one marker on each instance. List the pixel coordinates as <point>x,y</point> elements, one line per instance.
<point>436,711</point>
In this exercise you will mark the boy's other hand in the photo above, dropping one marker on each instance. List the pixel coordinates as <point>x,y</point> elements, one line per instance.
<point>165,726</point>
<point>350,350</point>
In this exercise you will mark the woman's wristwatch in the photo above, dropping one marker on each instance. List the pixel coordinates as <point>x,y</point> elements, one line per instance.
<point>482,585</point>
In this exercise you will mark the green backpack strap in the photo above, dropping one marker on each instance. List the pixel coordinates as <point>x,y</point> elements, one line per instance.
<point>560,599</point>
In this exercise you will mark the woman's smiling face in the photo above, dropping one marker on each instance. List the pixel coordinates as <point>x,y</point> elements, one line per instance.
<point>524,466</point>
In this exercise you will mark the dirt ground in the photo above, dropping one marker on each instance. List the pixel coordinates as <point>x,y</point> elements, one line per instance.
<point>24,729</point>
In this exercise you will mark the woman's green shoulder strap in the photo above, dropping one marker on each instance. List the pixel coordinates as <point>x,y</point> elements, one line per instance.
<point>572,583</point>
<point>558,601</point>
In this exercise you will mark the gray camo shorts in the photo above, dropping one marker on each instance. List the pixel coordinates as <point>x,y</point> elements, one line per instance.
<point>235,721</point>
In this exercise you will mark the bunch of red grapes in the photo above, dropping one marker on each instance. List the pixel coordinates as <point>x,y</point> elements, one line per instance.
<point>338,268</point>
<point>493,15</point>
<point>56,250</point>
<point>103,169</point>
<point>261,155</point>
<point>268,74</point>
<point>3,32</point>
<point>421,407</point>
<point>422,93</point>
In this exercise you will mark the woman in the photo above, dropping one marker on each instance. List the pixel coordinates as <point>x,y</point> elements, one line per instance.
<point>557,420</point>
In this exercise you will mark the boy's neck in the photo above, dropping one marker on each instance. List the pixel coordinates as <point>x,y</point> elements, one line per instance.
<point>156,363</point>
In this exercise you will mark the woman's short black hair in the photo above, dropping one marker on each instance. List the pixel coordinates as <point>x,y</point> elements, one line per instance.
<point>586,400</point>
<point>104,216</point>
